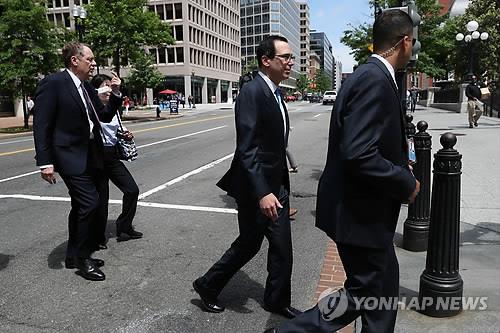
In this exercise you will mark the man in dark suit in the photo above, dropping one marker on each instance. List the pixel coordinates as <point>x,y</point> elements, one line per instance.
<point>68,141</point>
<point>258,180</point>
<point>366,178</point>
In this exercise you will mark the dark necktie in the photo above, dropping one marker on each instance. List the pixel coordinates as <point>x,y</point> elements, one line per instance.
<point>90,109</point>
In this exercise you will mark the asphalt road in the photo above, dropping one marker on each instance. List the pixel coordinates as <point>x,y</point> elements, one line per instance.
<point>187,221</point>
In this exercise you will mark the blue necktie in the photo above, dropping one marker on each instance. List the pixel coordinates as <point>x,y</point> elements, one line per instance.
<point>278,96</point>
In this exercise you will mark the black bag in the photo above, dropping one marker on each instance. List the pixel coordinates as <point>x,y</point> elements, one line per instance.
<point>125,148</point>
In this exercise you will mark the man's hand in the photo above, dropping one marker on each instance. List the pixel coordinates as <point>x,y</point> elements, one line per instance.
<point>269,206</point>
<point>115,83</point>
<point>415,192</point>
<point>48,175</point>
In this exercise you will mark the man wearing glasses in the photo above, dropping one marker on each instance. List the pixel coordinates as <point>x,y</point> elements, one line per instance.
<point>366,178</point>
<point>258,180</point>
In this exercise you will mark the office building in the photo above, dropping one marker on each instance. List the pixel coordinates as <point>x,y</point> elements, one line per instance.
<point>320,44</point>
<point>261,18</point>
<point>304,59</point>
<point>204,61</point>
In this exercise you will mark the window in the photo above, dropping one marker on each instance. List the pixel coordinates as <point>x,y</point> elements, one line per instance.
<point>275,27</point>
<point>256,9</point>
<point>275,17</point>
<point>170,12</point>
<point>258,29</point>
<point>250,41</point>
<point>160,10</point>
<point>250,11</point>
<point>66,3</point>
<point>258,19</point>
<point>180,54</point>
<point>170,55</point>
<point>162,56</point>
<point>152,52</point>
<point>265,28</point>
<point>249,30</point>
<point>178,33</point>
<point>265,18</point>
<point>178,11</point>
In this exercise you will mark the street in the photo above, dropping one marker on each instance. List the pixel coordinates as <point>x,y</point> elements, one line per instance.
<point>187,221</point>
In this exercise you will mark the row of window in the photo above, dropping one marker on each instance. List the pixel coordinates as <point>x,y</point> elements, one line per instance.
<point>212,42</point>
<point>63,3</point>
<point>210,4</point>
<point>211,23</point>
<point>252,2</point>
<point>255,30</point>
<point>252,10</point>
<point>169,55</point>
<point>171,11</point>
<point>60,19</point>
<point>202,58</point>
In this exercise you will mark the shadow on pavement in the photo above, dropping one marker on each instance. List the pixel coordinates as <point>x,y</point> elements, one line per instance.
<point>228,201</point>
<point>4,260</point>
<point>482,233</point>
<point>55,260</point>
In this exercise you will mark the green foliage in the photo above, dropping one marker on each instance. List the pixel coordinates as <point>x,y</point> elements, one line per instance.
<point>144,74</point>
<point>322,81</point>
<point>28,45</point>
<point>302,83</point>
<point>487,53</point>
<point>249,66</point>
<point>436,47</point>
<point>121,29</point>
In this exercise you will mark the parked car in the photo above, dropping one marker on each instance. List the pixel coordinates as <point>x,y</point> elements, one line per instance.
<point>291,98</point>
<point>329,97</point>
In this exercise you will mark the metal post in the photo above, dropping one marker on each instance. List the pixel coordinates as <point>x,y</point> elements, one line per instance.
<point>441,286</point>
<point>416,226</point>
<point>410,127</point>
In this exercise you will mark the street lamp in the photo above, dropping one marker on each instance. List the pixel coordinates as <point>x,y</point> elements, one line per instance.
<point>472,36</point>
<point>79,14</point>
<point>193,105</point>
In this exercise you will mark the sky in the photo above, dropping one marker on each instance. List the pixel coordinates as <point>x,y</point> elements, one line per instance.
<point>333,17</point>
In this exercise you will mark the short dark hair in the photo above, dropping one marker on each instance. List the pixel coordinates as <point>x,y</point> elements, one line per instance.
<point>98,79</point>
<point>266,47</point>
<point>389,28</point>
<point>72,49</point>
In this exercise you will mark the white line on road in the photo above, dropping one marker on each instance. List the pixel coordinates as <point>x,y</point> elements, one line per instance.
<point>19,176</point>
<point>316,116</point>
<point>119,202</point>
<point>16,141</point>
<point>184,176</point>
<point>143,146</point>
<point>180,137</point>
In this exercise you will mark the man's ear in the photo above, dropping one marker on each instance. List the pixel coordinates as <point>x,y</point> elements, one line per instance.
<point>266,61</point>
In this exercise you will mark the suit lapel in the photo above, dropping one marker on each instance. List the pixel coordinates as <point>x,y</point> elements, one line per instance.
<point>275,108</point>
<point>74,92</point>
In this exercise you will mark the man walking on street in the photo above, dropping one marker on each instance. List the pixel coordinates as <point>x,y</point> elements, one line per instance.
<point>258,180</point>
<point>366,178</point>
<point>473,93</point>
<point>68,141</point>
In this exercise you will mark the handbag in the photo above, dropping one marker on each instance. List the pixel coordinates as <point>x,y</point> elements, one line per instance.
<point>125,148</point>
<point>485,93</point>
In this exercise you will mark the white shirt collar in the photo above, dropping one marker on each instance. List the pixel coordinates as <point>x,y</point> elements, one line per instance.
<point>388,65</point>
<point>75,79</point>
<point>270,83</point>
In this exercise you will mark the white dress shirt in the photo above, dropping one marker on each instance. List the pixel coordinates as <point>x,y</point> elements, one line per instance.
<point>273,88</point>
<point>388,65</point>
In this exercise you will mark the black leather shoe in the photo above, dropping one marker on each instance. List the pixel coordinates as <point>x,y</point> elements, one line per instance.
<point>89,270</point>
<point>209,302</point>
<point>70,263</point>
<point>287,312</point>
<point>127,235</point>
<point>271,330</point>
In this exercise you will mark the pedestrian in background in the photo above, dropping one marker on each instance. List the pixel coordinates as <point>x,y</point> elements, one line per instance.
<point>126,104</point>
<point>68,140</point>
<point>473,93</point>
<point>30,104</point>
<point>258,180</point>
<point>366,178</point>
<point>117,172</point>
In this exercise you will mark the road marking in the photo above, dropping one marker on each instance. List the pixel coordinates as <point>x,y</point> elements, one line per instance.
<point>142,146</point>
<point>316,116</point>
<point>184,176</point>
<point>19,176</point>
<point>119,202</point>
<point>137,131</point>
<point>180,137</point>
<point>180,124</point>
<point>15,141</point>
<point>16,152</point>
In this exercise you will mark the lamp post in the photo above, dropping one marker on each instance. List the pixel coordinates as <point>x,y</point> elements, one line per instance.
<point>472,36</point>
<point>79,14</point>
<point>193,105</point>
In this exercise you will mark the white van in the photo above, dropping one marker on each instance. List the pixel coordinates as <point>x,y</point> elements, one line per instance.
<point>329,97</point>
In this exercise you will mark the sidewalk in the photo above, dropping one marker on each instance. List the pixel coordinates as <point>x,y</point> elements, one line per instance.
<point>479,264</point>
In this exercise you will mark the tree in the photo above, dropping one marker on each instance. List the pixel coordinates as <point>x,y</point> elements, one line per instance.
<point>144,74</point>
<point>436,47</point>
<point>322,81</point>
<point>249,66</point>
<point>28,47</point>
<point>486,53</point>
<point>302,83</point>
<point>121,29</point>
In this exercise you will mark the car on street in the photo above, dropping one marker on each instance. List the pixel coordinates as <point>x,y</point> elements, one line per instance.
<point>329,97</point>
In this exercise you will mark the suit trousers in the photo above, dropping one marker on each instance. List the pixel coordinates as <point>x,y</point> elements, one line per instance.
<point>254,226</point>
<point>117,172</point>
<point>370,273</point>
<point>474,112</point>
<point>84,191</point>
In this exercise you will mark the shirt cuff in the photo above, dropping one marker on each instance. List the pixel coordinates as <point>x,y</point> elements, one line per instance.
<point>46,166</point>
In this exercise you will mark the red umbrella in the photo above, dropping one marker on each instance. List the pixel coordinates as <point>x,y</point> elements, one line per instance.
<point>167,92</point>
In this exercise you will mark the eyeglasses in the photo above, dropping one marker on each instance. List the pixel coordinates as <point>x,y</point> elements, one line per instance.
<point>287,57</point>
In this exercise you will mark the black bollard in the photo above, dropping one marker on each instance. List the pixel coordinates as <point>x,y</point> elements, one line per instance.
<point>441,287</point>
<point>410,127</point>
<point>416,226</point>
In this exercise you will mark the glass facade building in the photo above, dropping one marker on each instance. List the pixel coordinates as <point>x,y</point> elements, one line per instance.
<point>262,18</point>
<point>320,44</point>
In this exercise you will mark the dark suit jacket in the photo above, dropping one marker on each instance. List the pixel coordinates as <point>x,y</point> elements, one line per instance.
<point>60,124</point>
<point>366,176</point>
<point>259,164</point>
